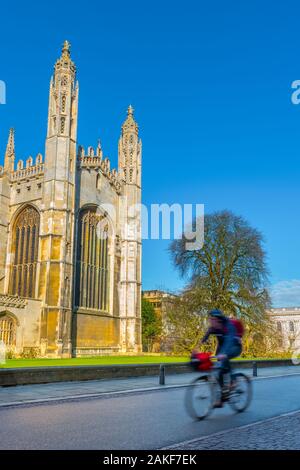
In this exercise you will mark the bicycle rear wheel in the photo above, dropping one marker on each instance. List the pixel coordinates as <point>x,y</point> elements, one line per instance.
<point>241,395</point>
<point>200,397</point>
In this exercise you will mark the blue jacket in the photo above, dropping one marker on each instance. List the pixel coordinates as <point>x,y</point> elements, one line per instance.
<point>227,338</point>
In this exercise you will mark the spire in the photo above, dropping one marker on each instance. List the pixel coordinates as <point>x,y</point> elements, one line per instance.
<point>130,150</point>
<point>63,96</point>
<point>130,124</point>
<point>99,149</point>
<point>65,65</point>
<point>10,151</point>
<point>66,49</point>
<point>130,110</point>
<point>10,148</point>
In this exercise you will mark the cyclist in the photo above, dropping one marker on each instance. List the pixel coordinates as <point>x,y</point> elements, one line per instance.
<point>229,344</point>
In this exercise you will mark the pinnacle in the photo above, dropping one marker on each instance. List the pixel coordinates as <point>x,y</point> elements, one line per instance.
<point>66,47</point>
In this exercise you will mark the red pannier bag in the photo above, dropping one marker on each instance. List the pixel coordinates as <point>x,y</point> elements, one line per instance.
<point>201,361</point>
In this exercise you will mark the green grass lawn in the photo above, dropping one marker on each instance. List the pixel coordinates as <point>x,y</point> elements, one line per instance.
<point>92,361</point>
<point>104,360</point>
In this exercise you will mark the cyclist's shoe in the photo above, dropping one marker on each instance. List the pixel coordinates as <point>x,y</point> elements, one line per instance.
<point>225,395</point>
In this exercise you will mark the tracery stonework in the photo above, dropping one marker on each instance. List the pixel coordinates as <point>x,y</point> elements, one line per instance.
<point>92,283</point>
<point>25,253</point>
<point>70,281</point>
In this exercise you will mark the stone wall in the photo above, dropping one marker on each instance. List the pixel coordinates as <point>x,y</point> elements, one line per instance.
<point>27,318</point>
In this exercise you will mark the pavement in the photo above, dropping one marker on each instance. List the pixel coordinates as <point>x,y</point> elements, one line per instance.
<point>278,433</point>
<point>22,394</point>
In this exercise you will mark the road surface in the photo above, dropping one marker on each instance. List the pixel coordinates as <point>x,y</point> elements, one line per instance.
<point>146,420</point>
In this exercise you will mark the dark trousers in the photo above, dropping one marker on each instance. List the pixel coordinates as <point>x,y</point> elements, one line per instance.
<point>225,366</point>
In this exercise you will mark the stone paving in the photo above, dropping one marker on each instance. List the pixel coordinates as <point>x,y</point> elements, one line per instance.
<point>280,433</point>
<point>25,393</point>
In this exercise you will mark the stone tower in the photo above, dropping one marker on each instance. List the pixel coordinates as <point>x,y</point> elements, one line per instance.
<point>130,151</point>
<point>5,202</point>
<point>57,212</point>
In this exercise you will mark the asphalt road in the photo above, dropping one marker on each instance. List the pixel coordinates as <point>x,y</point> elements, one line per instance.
<point>148,420</point>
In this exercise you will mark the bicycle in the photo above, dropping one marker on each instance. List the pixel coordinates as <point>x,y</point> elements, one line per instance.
<point>205,390</point>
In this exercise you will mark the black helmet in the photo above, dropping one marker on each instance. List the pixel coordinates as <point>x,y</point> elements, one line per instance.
<point>216,313</point>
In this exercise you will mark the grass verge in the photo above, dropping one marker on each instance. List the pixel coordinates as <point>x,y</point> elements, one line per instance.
<point>92,361</point>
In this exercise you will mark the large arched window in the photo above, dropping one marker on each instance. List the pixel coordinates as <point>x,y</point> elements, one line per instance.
<point>25,253</point>
<point>92,273</point>
<point>8,330</point>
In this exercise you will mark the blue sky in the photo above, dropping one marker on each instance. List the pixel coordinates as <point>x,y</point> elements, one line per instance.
<point>211,86</point>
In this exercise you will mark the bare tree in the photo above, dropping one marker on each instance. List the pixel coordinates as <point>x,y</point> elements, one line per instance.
<point>229,272</point>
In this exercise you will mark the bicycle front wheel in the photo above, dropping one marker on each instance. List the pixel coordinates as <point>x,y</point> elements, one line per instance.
<point>241,393</point>
<point>200,397</point>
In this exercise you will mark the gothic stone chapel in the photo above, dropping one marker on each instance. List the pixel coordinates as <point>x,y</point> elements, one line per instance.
<point>70,274</point>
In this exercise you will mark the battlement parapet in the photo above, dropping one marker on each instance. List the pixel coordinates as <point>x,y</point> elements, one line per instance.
<point>94,160</point>
<point>28,172</point>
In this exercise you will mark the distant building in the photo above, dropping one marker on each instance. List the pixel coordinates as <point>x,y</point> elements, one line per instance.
<point>287,321</point>
<point>161,301</point>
